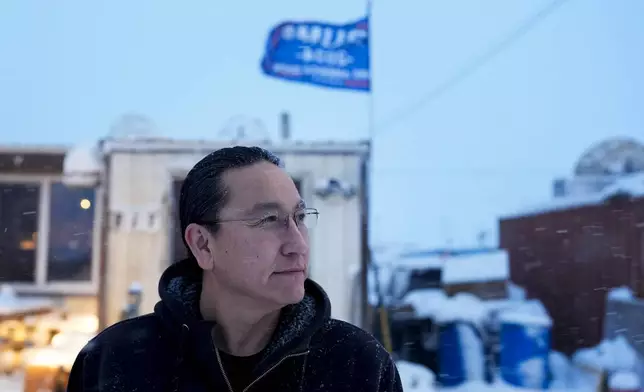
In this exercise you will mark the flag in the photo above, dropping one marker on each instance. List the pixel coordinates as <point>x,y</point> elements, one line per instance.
<point>320,54</point>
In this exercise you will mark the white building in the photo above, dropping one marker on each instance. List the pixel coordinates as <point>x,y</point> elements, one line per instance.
<point>137,179</point>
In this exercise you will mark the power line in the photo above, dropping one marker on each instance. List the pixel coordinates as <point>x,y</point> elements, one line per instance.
<point>456,171</point>
<point>473,65</point>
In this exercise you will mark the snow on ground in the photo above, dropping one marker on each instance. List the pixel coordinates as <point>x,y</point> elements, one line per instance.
<point>415,377</point>
<point>624,381</point>
<point>499,387</point>
<point>613,355</point>
<point>13,383</point>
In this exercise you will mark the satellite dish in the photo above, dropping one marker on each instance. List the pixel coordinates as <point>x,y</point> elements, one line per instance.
<point>612,157</point>
<point>242,127</point>
<point>133,126</point>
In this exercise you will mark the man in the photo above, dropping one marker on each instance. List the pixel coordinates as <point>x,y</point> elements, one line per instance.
<point>239,314</point>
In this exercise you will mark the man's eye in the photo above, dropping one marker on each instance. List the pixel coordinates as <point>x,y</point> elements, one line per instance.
<point>269,219</point>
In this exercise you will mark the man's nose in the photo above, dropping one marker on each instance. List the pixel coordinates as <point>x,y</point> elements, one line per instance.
<point>296,240</point>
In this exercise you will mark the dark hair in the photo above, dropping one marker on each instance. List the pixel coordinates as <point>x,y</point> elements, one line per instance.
<point>204,194</point>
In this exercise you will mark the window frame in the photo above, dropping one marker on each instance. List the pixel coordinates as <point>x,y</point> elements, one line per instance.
<point>41,285</point>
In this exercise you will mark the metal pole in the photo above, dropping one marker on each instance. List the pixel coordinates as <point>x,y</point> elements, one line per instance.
<point>104,234</point>
<point>382,311</point>
<point>367,315</point>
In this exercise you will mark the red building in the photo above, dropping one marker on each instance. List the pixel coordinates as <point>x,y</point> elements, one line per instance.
<point>589,239</point>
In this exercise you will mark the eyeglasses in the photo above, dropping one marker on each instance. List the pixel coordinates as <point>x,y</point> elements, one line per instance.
<point>305,218</point>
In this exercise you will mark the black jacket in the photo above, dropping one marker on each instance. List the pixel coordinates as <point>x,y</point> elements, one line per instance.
<point>172,349</point>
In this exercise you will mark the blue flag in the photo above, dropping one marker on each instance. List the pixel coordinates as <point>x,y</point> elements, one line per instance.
<point>321,54</point>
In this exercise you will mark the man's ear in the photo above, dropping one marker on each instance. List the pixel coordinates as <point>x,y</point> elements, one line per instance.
<point>198,238</point>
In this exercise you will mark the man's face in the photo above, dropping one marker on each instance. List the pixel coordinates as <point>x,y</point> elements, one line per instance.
<point>259,251</point>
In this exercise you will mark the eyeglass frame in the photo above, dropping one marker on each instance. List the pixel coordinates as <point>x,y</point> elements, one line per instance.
<point>308,211</point>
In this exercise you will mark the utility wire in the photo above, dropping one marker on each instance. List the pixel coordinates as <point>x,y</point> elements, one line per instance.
<point>472,66</point>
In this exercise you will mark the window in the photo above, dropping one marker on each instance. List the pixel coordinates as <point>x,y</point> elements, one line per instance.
<point>18,231</point>
<point>46,235</point>
<point>71,219</point>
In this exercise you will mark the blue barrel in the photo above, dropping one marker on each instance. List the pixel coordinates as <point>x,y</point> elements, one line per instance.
<point>460,354</point>
<point>525,352</point>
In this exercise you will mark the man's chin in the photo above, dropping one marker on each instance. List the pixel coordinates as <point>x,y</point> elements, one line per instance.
<point>291,295</point>
<point>287,289</point>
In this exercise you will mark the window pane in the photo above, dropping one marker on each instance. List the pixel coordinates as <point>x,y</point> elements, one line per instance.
<point>18,232</point>
<point>71,223</point>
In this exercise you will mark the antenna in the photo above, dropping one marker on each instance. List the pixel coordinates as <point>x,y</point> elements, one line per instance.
<point>241,127</point>
<point>285,125</point>
<point>619,156</point>
<point>133,125</point>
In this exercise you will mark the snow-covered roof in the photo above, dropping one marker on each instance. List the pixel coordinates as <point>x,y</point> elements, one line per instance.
<point>422,262</point>
<point>484,267</point>
<point>199,148</point>
<point>34,149</point>
<point>423,252</point>
<point>632,185</point>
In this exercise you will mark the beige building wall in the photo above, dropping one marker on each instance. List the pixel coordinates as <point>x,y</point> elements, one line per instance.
<point>139,238</point>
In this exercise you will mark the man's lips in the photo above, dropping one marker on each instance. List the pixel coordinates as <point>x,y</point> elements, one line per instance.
<point>291,271</point>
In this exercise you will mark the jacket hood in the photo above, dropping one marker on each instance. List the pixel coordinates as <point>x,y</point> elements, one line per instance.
<point>180,290</point>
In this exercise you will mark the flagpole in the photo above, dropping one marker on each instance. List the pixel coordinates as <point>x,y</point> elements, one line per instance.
<point>383,314</point>
<point>367,316</point>
<point>370,101</point>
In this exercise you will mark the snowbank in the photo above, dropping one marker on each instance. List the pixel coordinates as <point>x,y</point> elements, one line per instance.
<point>561,369</point>
<point>611,355</point>
<point>502,387</point>
<point>624,381</point>
<point>415,377</point>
